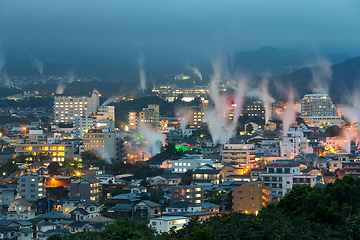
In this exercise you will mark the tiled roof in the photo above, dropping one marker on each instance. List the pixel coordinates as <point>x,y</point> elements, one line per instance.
<point>100,219</point>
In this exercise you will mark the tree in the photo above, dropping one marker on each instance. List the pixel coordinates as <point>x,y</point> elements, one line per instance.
<point>186,178</point>
<point>249,128</point>
<point>89,158</point>
<point>54,168</point>
<point>333,131</point>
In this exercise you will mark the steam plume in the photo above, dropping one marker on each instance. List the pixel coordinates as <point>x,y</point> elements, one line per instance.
<point>289,114</point>
<point>194,70</point>
<point>111,99</point>
<point>39,65</point>
<point>142,73</point>
<point>322,75</point>
<point>184,115</point>
<point>63,83</point>
<point>153,140</point>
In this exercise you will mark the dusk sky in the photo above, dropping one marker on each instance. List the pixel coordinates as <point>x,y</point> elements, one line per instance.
<point>176,30</point>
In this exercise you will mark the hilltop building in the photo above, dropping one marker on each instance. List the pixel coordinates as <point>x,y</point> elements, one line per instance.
<point>318,109</point>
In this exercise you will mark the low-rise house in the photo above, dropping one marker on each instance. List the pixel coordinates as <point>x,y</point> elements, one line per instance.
<point>91,207</point>
<point>148,208</point>
<point>164,224</point>
<point>207,176</point>
<point>121,210</point>
<point>128,198</point>
<point>80,214</point>
<point>106,179</point>
<point>19,209</point>
<point>138,189</point>
<point>53,216</point>
<point>80,226</point>
<point>7,195</point>
<point>165,180</point>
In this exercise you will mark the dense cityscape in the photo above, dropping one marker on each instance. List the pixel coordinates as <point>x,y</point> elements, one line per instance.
<point>186,125</point>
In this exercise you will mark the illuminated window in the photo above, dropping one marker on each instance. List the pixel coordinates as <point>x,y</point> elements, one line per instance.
<point>61,154</point>
<point>29,148</point>
<point>45,148</point>
<point>61,148</point>
<point>53,148</point>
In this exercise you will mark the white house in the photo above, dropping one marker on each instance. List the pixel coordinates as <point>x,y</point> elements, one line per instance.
<point>189,162</point>
<point>19,209</point>
<point>164,224</point>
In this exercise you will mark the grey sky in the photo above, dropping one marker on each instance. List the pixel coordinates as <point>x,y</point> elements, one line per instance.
<point>185,30</point>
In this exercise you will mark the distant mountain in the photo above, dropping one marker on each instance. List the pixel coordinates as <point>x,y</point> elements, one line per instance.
<point>345,78</point>
<point>270,60</point>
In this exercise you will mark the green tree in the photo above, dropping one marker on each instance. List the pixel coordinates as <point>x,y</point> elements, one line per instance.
<point>186,178</point>
<point>54,168</point>
<point>249,128</point>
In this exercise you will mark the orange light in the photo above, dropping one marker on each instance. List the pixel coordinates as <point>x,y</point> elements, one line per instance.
<point>24,128</point>
<point>53,179</point>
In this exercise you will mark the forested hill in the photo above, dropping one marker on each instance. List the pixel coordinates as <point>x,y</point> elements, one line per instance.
<point>345,77</point>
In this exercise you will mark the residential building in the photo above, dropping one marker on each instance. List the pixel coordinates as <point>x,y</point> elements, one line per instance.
<point>86,187</point>
<point>148,209</point>
<point>165,180</point>
<point>82,124</point>
<point>207,175</point>
<point>66,108</point>
<point>149,116</point>
<point>164,224</point>
<point>191,193</point>
<point>104,113</point>
<point>281,176</point>
<point>238,153</point>
<point>250,197</point>
<point>189,162</point>
<point>19,209</point>
<point>31,188</point>
<point>196,116</point>
<point>7,195</point>
<point>102,142</point>
<point>294,143</point>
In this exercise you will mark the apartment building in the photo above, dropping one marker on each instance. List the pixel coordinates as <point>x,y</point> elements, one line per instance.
<point>295,143</point>
<point>281,176</point>
<point>196,116</point>
<point>190,193</point>
<point>66,107</point>
<point>250,197</point>
<point>238,153</point>
<point>88,188</point>
<point>31,188</point>
<point>149,116</point>
<point>102,142</point>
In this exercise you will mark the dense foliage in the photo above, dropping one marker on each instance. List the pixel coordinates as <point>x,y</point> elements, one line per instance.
<point>332,212</point>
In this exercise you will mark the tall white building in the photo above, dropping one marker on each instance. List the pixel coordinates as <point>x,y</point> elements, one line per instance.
<point>318,109</point>
<point>67,108</point>
<point>82,124</point>
<point>294,143</point>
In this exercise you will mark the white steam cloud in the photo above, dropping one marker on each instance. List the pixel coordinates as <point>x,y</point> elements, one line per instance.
<point>152,141</point>
<point>2,61</point>
<point>63,83</point>
<point>194,70</point>
<point>289,114</point>
<point>142,72</point>
<point>322,75</point>
<point>221,129</point>
<point>37,64</point>
<point>184,115</point>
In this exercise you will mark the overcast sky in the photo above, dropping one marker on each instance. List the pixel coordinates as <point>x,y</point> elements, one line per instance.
<point>185,30</point>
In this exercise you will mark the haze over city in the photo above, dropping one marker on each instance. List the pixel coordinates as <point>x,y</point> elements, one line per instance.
<point>179,119</point>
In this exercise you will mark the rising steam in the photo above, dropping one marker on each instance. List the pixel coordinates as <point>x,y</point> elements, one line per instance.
<point>194,70</point>
<point>221,129</point>
<point>184,115</point>
<point>289,114</point>
<point>152,141</point>
<point>37,64</point>
<point>142,72</point>
<point>322,75</point>
<point>63,83</point>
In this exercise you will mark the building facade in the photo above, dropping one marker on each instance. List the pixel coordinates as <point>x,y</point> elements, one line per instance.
<point>66,108</point>
<point>101,142</point>
<point>32,188</point>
